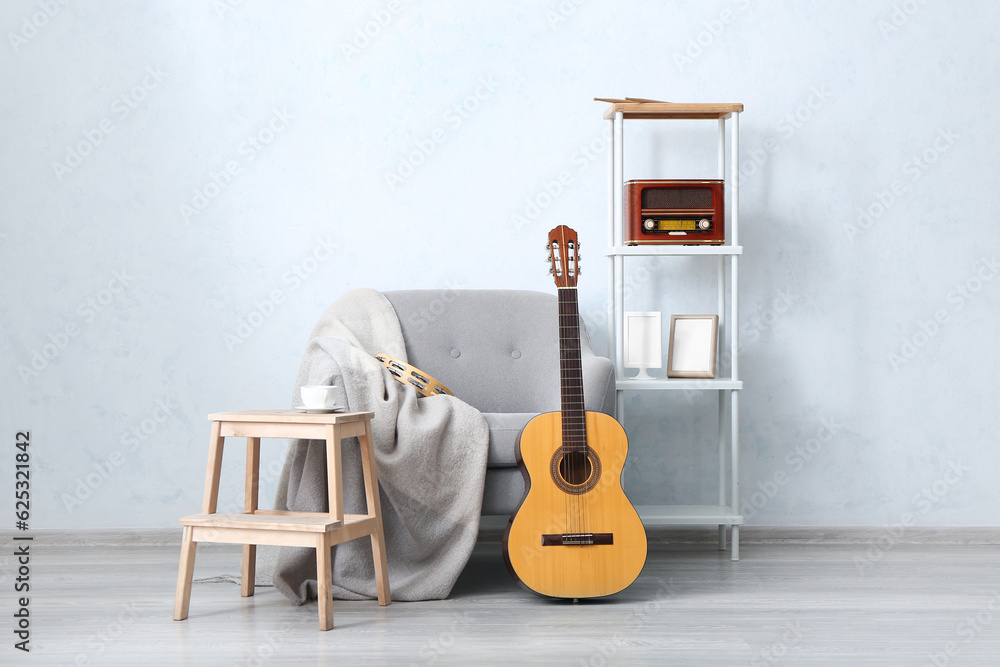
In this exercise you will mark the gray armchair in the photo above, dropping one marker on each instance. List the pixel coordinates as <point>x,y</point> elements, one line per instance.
<point>498,350</point>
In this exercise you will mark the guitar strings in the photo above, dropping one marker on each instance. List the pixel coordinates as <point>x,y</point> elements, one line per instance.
<point>567,462</point>
<point>569,466</point>
<point>573,441</point>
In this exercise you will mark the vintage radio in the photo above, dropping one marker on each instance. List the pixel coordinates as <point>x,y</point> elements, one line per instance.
<point>674,212</point>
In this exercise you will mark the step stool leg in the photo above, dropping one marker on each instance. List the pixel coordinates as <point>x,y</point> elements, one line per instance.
<point>334,473</point>
<point>214,472</point>
<point>248,572</point>
<point>182,598</point>
<point>375,509</point>
<point>324,580</point>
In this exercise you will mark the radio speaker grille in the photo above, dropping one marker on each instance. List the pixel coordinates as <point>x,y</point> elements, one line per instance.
<point>676,198</point>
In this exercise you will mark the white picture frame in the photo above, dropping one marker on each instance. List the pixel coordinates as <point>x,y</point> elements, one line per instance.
<point>693,349</point>
<point>643,342</point>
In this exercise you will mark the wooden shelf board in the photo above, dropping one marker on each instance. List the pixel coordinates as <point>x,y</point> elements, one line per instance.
<point>664,110</point>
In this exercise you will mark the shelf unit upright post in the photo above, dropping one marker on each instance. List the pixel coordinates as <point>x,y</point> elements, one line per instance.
<point>726,513</point>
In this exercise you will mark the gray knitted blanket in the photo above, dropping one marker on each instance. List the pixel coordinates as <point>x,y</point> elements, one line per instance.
<point>431,458</point>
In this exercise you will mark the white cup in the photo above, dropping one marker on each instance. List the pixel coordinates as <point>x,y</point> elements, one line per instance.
<point>318,397</point>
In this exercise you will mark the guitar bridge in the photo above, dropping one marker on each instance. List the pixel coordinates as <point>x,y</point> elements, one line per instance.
<point>577,539</point>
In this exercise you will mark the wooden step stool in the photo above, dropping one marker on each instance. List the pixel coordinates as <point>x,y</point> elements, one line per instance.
<point>301,529</point>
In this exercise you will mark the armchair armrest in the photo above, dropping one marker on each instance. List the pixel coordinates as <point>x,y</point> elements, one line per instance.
<point>598,384</point>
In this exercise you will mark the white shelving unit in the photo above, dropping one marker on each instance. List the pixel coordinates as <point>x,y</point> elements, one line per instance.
<point>726,513</point>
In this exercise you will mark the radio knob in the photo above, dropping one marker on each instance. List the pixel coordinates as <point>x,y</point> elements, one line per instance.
<point>649,223</point>
<point>704,223</point>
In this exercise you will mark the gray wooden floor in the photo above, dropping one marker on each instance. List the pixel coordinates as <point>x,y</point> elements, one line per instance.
<point>792,604</point>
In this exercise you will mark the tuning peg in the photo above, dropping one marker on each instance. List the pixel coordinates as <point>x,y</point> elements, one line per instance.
<point>548,246</point>
<point>551,272</point>
<point>549,258</point>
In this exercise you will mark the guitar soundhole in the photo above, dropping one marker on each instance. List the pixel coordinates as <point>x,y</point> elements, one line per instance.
<point>575,468</point>
<point>575,472</point>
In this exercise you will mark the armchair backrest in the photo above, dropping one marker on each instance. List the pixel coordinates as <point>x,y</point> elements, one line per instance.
<point>498,350</point>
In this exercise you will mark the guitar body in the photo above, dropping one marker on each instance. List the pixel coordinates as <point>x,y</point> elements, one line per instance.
<point>590,506</point>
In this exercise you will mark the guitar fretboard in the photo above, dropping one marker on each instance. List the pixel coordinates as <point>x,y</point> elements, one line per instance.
<point>574,425</point>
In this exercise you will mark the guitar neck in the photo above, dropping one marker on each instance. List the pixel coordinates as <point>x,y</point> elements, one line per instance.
<point>574,425</point>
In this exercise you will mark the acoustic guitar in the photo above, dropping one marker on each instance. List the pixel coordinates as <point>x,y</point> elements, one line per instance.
<point>575,534</point>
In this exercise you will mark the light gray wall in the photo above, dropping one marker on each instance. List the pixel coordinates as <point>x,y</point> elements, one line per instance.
<point>187,185</point>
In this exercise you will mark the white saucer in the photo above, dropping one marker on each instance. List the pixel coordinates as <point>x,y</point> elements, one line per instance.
<point>336,408</point>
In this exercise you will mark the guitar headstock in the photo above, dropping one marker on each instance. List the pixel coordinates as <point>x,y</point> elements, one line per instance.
<point>564,256</point>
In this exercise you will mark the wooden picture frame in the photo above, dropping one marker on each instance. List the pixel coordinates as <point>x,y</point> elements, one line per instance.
<point>694,341</point>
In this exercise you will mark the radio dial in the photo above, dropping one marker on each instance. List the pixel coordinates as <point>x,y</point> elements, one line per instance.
<point>704,223</point>
<point>649,223</point>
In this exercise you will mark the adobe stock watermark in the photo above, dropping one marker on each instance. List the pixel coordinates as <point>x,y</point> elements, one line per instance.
<point>452,119</point>
<point>899,16</point>
<point>765,317</point>
<point>786,127</point>
<point>32,24</point>
<point>122,107</point>
<point>443,642</point>
<point>699,43</point>
<point>110,634</point>
<point>424,318</point>
<point>248,150</point>
<point>790,640</point>
<point>293,278</point>
<point>552,188</point>
<point>138,433</point>
<point>87,312</point>
<point>223,7</point>
<point>795,461</point>
<point>634,280</point>
<point>967,630</point>
<point>562,12</point>
<point>923,501</point>
<point>927,329</point>
<point>606,651</point>
<point>365,35</point>
<point>914,167</point>
<point>640,618</point>
<point>267,649</point>
<point>761,321</point>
